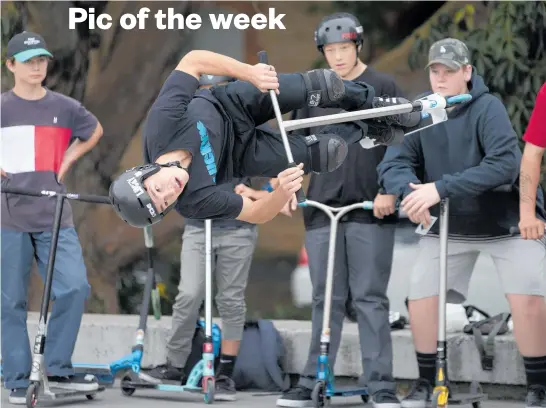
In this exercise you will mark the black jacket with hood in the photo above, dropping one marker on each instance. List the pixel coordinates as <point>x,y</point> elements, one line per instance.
<point>473,152</point>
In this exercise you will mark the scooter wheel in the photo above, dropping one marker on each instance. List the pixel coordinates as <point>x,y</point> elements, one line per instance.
<point>435,403</point>
<point>90,396</point>
<point>476,404</point>
<point>32,394</point>
<point>365,398</point>
<point>209,394</point>
<point>318,395</point>
<point>126,389</point>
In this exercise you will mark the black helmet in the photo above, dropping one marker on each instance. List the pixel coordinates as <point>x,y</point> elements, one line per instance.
<point>205,79</point>
<point>130,199</point>
<point>338,27</point>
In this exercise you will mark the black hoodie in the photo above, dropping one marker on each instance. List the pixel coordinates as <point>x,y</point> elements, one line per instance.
<point>356,178</point>
<point>466,157</point>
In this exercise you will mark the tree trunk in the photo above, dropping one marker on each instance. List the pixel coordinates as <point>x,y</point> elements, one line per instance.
<point>117,81</point>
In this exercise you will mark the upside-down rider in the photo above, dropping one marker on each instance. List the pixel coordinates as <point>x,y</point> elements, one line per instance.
<point>193,141</point>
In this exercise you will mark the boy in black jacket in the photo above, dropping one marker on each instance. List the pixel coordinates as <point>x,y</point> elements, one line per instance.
<point>464,159</point>
<point>364,247</point>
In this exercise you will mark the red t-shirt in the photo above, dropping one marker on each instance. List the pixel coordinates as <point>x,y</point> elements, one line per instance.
<point>536,129</point>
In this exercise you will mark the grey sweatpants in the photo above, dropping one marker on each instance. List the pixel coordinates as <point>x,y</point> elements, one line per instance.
<point>232,251</point>
<point>363,262</point>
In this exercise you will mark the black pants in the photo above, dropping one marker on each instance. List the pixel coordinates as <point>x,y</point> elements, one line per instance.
<point>259,152</point>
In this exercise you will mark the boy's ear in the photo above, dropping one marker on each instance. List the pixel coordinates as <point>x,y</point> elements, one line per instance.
<point>10,62</point>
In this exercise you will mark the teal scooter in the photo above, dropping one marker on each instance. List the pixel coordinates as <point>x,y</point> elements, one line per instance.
<point>202,377</point>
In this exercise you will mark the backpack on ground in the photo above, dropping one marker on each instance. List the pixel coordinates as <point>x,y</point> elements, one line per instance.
<point>259,365</point>
<point>489,326</point>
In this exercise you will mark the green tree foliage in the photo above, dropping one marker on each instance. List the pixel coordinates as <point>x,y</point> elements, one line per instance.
<point>387,23</point>
<point>11,24</point>
<point>508,51</point>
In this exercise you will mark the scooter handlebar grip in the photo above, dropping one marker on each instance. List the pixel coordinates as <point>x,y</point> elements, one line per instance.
<point>514,230</point>
<point>367,205</point>
<point>24,191</point>
<point>148,237</point>
<point>454,100</point>
<point>262,57</point>
<point>300,195</point>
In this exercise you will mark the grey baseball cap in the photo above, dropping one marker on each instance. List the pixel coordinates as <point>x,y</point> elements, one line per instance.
<point>450,52</point>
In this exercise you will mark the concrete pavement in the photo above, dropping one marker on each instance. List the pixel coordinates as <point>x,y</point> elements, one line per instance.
<point>112,398</point>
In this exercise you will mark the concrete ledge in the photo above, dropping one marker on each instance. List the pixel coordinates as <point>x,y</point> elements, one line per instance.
<point>105,338</point>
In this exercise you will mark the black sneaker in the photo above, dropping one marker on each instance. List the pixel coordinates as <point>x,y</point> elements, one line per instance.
<point>224,389</point>
<point>18,396</point>
<point>162,373</point>
<point>536,397</point>
<point>383,134</point>
<point>419,396</point>
<point>297,397</point>
<point>76,383</point>
<point>403,119</point>
<point>385,399</point>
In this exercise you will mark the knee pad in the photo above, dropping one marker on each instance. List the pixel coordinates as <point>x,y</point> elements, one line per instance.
<point>323,87</point>
<point>327,152</point>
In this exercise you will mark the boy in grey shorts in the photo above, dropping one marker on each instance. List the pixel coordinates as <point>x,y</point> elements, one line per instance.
<point>464,160</point>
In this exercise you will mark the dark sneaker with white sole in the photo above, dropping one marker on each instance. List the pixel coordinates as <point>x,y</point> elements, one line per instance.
<point>536,397</point>
<point>402,119</point>
<point>297,397</point>
<point>18,396</point>
<point>385,135</point>
<point>385,399</point>
<point>419,396</point>
<point>75,383</point>
<point>162,373</point>
<point>224,389</point>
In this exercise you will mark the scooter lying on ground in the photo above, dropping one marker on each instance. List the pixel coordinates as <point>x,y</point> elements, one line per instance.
<point>107,373</point>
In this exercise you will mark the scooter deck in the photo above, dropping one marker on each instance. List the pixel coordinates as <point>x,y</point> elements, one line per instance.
<point>102,373</point>
<point>466,398</point>
<point>56,393</point>
<point>161,387</point>
<point>346,391</point>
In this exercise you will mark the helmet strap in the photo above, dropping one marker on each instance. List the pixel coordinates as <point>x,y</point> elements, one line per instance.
<point>174,164</point>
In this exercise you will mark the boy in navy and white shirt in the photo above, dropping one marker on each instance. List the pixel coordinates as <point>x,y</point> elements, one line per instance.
<point>43,134</point>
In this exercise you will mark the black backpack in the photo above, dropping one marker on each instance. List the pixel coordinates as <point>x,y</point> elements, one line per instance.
<point>196,354</point>
<point>489,326</point>
<point>259,365</point>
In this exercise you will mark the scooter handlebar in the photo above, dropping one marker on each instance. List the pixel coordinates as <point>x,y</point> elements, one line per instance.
<point>45,193</point>
<point>436,101</point>
<point>516,231</point>
<point>262,57</point>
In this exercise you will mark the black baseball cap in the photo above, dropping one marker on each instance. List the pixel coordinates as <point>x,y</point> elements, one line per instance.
<point>26,45</point>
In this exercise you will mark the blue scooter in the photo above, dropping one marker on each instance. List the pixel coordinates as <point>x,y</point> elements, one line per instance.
<point>325,384</point>
<point>202,377</point>
<point>106,373</point>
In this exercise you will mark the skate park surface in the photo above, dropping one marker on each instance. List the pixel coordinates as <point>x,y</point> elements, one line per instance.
<point>106,338</point>
<point>144,399</point>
